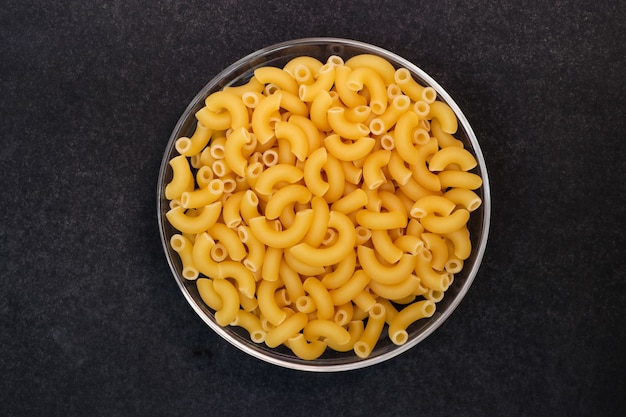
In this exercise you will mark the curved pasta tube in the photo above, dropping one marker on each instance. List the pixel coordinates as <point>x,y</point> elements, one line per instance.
<point>271,264</point>
<point>267,302</point>
<point>353,151</point>
<point>432,204</point>
<point>230,302</point>
<point>349,97</point>
<point>284,197</point>
<point>429,277</point>
<point>256,249</point>
<point>214,120</point>
<point>293,105</point>
<point>230,210</point>
<point>381,220</point>
<point>445,139</point>
<point>203,196</point>
<point>355,328</point>
<point>285,330</point>
<point>421,173</point>
<point>452,155</point>
<point>460,239</point>
<point>403,137</point>
<point>231,103</point>
<point>464,197</point>
<point>366,77</point>
<point>352,201</point>
<point>311,131</point>
<point>312,172</point>
<point>302,267</point>
<point>397,169</point>
<point>383,68</point>
<point>207,293</point>
<point>396,291</point>
<point>230,239</point>
<point>201,255</point>
<point>438,248</point>
<point>375,322</point>
<point>384,274</point>
<point>242,275</point>
<point>313,65</point>
<point>385,246</point>
<point>233,150</point>
<point>324,82</point>
<point>305,350</point>
<point>278,77</point>
<point>343,127</point>
<point>184,247</point>
<point>275,174</point>
<point>285,238</point>
<point>335,178</point>
<point>252,324</point>
<point>406,316</point>
<point>249,206</point>
<point>320,296</point>
<point>350,289</point>
<point>384,122</point>
<point>193,145</point>
<point>343,271</point>
<point>319,110</point>
<point>331,254</point>
<point>197,224</point>
<point>459,179</point>
<point>321,216</point>
<point>326,329</point>
<point>261,117</point>
<point>412,88</point>
<point>409,243</point>
<point>296,138</point>
<point>182,178</point>
<point>372,168</point>
<point>445,115</point>
<point>445,224</point>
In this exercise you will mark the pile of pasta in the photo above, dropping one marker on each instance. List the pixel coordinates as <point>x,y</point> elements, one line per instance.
<point>323,205</point>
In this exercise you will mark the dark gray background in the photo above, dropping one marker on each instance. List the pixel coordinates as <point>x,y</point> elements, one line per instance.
<point>91,320</point>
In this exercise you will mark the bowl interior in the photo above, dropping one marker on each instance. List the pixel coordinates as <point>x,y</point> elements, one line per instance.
<point>278,55</point>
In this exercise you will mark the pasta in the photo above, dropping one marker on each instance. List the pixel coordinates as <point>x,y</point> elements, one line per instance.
<point>317,203</point>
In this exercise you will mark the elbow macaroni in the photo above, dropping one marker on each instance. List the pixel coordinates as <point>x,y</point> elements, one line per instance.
<point>319,202</point>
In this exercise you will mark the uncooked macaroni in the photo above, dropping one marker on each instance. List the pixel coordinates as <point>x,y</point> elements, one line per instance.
<point>319,202</point>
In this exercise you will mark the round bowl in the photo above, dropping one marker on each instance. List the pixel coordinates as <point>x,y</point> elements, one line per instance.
<point>278,55</point>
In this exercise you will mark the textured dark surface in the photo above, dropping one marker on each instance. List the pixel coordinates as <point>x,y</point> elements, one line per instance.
<point>91,321</point>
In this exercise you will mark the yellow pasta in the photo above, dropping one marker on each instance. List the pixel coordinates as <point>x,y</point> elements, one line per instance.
<point>379,64</point>
<point>373,177</point>
<point>406,316</point>
<point>375,322</point>
<point>194,224</point>
<point>230,302</point>
<point>278,77</point>
<point>344,128</point>
<point>452,155</point>
<point>350,289</point>
<point>182,178</point>
<point>305,350</point>
<point>352,151</point>
<point>326,329</point>
<point>319,202</point>
<point>329,255</point>
<point>233,105</point>
<point>367,77</point>
<point>184,247</point>
<point>286,329</point>
<point>285,238</point>
<point>323,302</point>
